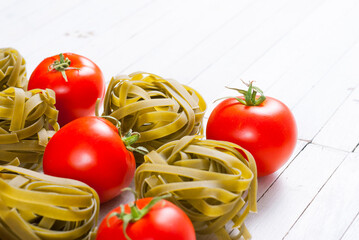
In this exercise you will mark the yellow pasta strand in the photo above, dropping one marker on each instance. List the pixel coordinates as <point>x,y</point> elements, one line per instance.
<point>37,206</point>
<point>12,69</point>
<point>161,110</point>
<point>210,180</point>
<point>27,121</point>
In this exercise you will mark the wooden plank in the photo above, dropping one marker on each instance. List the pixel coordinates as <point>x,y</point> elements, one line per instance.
<point>342,130</point>
<point>334,208</point>
<point>8,7</point>
<point>276,69</point>
<point>112,14</point>
<point>225,68</point>
<point>290,195</point>
<point>158,33</point>
<point>74,28</point>
<point>312,112</point>
<point>31,15</point>
<point>220,44</point>
<point>297,43</point>
<point>264,183</point>
<point>164,60</point>
<point>122,33</point>
<point>353,230</point>
<point>321,57</point>
<point>12,11</point>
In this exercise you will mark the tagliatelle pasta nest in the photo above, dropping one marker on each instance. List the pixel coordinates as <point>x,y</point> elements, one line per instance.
<point>161,110</point>
<point>35,206</point>
<point>210,180</point>
<point>12,69</point>
<point>27,121</point>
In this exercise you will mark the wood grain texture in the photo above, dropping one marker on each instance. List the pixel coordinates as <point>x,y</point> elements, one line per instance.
<point>290,195</point>
<point>342,129</point>
<point>247,51</point>
<point>334,208</point>
<point>303,52</point>
<point>264,183</point>
<point>353,230</point>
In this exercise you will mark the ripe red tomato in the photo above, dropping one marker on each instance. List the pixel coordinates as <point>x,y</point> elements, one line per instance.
<point>268,130</point>
<point>90,149</point>
<point>164,221</point>
<point>76,95</point>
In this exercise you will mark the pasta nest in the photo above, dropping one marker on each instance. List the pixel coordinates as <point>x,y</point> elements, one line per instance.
<point>161,110</point>
<point>36,206</point>
<point>12,69</point>
<point>213,182</point>
<point>27,121</point>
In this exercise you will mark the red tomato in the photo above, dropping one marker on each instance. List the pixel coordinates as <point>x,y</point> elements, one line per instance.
<point>164,221</point>
<point>90,149</point>
<point>75,97</point>
<point>268,130</point>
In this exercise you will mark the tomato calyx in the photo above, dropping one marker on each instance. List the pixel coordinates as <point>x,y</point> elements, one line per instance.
<point>136,214</point>
<point>61,65</point>
<point>131,138</point>
<point>250,95</point>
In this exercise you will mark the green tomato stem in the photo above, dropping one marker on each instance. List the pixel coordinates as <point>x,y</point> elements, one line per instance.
<point>61,66</point>
<point>129,138</point>
<point>250,95</point>
<point>136,214</point>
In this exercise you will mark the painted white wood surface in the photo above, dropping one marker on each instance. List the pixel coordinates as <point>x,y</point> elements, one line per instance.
<point>289,196</point>
<point>336,194</point>
<point>353,230</point>
<point>342,130</point>
<point>304,52</point>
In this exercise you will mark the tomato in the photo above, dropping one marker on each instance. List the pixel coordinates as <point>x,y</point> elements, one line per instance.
<point>90,149</point>
<point>76,80</point>
<point>268,130</point>
<point>163,221</point>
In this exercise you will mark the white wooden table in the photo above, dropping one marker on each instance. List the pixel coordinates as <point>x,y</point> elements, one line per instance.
<point>303,52</point>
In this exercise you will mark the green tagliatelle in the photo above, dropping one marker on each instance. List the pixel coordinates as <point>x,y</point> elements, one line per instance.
<point>36,206</point>
<point>161,110</point>
<point>27,121</point>
<point>12,69</point>
<point>210,180</point>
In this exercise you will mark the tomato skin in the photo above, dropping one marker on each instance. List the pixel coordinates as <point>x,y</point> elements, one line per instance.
<point>268,131</point>
<point>89,149</point>
<point>77,97</point>
<point>164,221</point>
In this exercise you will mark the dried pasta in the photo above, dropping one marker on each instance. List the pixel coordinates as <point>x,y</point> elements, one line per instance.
<point>27,121</point>
<point>36,206</point>
<point>12,69</point>
<point>161,110</point>
<point>210,180</point>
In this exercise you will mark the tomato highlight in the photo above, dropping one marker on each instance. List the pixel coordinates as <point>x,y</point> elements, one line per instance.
<point>263,125</point>
<point>77,81</point>
<point>147,218</point>
<point>90,149</point>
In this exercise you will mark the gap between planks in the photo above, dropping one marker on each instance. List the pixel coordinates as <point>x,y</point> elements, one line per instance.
<point>334,209</point>
<point>282,205</point>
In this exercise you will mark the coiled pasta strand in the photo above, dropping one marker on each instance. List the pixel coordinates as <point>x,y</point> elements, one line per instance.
<point>27,121</point>
<point>37,206</point>
<point>161,110</point>
<point>12,69</point>
<point>211,181</point>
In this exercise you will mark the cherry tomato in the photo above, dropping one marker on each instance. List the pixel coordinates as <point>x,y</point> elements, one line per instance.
<point>163,221</point>
<point>90,149</point>
<point>76,80</point>
<point>268,130</point>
